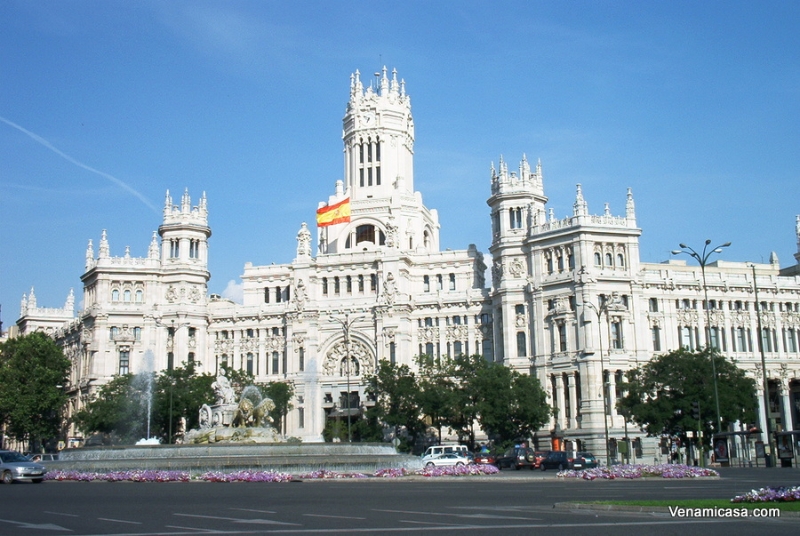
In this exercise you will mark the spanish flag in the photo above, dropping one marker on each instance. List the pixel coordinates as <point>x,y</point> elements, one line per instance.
<point>333,214</point>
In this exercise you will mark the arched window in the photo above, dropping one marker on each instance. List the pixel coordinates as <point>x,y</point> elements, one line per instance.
<point>620,260</point>
<point>598,261</point>
<point>365,233</point>
<point>139,296</point>
<point>115,295</point>
<point>126,296</point>
<point>609,260</point>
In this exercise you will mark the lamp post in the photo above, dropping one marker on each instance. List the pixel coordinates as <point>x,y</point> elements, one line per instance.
<point>599,312</point>
<point>765,384</point>
<point>173,329</point>
<point>702,258</point>
<point>346,325</point>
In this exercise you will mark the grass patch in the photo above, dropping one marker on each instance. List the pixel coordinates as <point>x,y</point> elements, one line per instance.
<point>707,503</point>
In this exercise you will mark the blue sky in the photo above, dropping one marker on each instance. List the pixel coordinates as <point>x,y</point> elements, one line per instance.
<point>106,105</point>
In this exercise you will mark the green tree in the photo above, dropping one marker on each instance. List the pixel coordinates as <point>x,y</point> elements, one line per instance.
<point>511,405</point>
<point>438,396</point>
<point>118,410</point>
<point>179,393</point>
<point>467,371</point>
<point>660,393</point>
<point>396,393</point>
<point>281,394</point>
<point>33,373</point>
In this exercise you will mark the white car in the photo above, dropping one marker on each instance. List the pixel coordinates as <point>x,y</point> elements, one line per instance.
<point>14,466</point>
<point>443,460</point>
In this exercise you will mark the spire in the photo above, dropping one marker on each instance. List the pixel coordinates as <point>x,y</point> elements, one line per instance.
<point>384,82</point>
<point>524,168</point>
<point>394,88</point>
<point>104,249</point>
<point>152,251</point>
<point>23,305</point>
<point>630,208</point>
<point>186,202</point>
<point>89,254</point>
<point>580,208</point>
<point>167,204</point>
<point>69,305</point>
<point>127,252</point>
<point>32,300</point>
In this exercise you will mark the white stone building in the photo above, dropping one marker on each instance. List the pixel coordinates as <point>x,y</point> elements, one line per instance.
<point>568,297</point>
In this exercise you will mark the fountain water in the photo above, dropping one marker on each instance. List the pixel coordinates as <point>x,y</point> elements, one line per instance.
<point>143,383</point>
<point>233,436</point>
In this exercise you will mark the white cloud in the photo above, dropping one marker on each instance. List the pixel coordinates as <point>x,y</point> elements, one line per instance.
<point>233,291</point>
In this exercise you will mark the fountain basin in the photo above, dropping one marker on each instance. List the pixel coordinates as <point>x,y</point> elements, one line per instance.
<point>293,458</point>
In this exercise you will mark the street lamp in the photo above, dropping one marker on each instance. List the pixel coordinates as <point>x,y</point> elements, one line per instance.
<point>599,312</point>
<point>173,329</point>
<point>765,384</point>
<point>702,258</point>
<point>346,325</point>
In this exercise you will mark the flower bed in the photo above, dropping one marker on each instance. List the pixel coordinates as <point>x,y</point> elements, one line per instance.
<point>261,476</point>
<point>663,470</point>
<point>769,495</point>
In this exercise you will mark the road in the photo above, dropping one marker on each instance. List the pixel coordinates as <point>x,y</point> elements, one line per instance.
<point>512,503</point>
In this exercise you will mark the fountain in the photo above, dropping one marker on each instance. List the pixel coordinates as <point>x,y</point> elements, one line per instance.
<point>228,421</point>
<point>235,435</point>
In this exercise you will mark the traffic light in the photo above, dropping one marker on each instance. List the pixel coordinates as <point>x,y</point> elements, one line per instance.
<point>696,410</point>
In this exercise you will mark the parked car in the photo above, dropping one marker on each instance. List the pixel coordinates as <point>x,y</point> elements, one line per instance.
<point>485,458</point>
<point>47,457</point>
<point>14,466</point>
<point>443,460</point>
<point>538,456</point>
<point>555,459</point>
<point>517,457</point>
<point>584,460</point>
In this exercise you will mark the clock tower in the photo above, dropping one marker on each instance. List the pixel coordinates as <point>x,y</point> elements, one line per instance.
<point>378,186</point>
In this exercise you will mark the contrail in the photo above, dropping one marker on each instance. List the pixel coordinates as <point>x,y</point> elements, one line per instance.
<point>68,158</point>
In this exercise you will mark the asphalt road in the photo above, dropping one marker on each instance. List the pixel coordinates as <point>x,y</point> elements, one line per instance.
<point>510,503</point>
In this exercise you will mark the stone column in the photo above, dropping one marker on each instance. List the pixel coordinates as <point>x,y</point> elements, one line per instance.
<point>762,416</point>
<point>786,414</point>
<point>561,419</point>
<point>573,401</point>
<point>612,399</point>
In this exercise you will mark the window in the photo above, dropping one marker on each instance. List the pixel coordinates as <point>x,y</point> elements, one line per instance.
<point>113,332</point>
<point>174,248</point>
<point>392,353</point>
<point>275,362</point>
<point>519,309</point>
<point>190,357</point>
<point>598,260</point>
<point>620,261</point>
<point>301,359</point>
<point>713,339</point>
<point>562,338</point>
<point>457,348</point>
<point>741,340</point>
<point>266,294</point>
<point>616,335</point>
<point>521,344</point>
<point>250,363</point>
<point>349,284</point>
<point>139,298</point>
<point>452,281</point>
<point>361,283</point>
<point>609,260</point>
<point>515,218</point>
<point>365,233</point>
<point>429,349</point>
<point>766,340</point>
<point>686,337</point>
<point>655,333</point>
<point>137,334</point>
<point>560,263</point>
<point>301,418</point>
<point>223,361</point>
<point>426,283</point>
<point>115,295</point>
<point>336,287</point>
<point>653,305</point>
<point>439,282</point>
<point>549,265</point>
<point>124,361</point>
<point>373,282</point>
<point>325,286</point>
<point>790,340</point>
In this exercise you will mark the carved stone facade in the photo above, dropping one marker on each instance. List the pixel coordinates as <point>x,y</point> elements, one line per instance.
<point>571,302</point>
